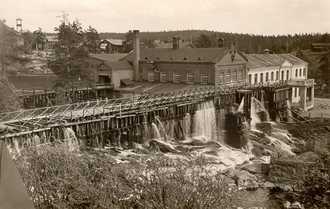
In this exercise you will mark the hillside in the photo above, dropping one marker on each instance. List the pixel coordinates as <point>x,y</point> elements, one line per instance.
<point>246,42</point>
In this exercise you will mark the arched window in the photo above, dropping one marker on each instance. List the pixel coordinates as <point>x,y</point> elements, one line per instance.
<point>256,78</point>
<point>272,76</point>
<point>287,75</point>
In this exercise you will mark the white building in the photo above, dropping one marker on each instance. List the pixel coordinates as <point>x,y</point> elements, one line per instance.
<point>271,68</point>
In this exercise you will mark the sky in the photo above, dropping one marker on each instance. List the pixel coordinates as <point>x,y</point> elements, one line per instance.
<point>268,17</point>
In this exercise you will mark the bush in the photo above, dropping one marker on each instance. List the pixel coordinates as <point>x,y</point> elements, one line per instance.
<point>59,179</point>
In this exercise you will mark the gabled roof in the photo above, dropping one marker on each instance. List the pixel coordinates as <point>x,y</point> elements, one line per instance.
<point>268,60</point>
<point>118,42</point>
<point>119,65</point>
<point>114,61</point>
<point>208,55</point>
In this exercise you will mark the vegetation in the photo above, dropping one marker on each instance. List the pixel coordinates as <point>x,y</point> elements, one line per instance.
<point>248,43</point>
<point>71,52</point>
<point>60,179</point>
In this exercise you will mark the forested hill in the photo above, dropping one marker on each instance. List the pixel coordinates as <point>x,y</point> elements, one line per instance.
<point>246,42</point>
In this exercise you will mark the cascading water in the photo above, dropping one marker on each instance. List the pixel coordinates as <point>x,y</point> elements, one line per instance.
<point>205,121</point>
<point>186,125</point>
<point>257,107</point>
<point>70,139</point>
<point>161,127</point>
<point>289,113</point>
<point>155,131</point>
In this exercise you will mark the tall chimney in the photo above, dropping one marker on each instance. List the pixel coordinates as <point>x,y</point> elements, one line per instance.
<point>136,42</point>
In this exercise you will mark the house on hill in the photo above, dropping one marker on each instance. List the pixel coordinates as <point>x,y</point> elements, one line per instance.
<point>111,46</point>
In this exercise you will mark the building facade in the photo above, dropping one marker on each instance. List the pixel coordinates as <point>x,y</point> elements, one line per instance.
<point>265,69</point>
<point>206,66</point>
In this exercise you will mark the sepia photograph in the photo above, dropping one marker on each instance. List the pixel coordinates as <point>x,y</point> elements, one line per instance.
<point>164,104</point>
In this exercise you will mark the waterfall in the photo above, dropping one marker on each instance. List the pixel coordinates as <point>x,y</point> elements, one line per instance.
<point>17,148</point>
<point>186,125</point>
<point>241,106</point>
<point>257,107</point>
<point>161,127</point>
<point>70,139</point>
<point>289,113</point>
<point>205,121</point>
<point>155,131</point>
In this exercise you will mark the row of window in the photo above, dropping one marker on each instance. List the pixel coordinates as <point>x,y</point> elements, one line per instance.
<point>179,77</point>
<point>271,76</point>
<point>229,76</point>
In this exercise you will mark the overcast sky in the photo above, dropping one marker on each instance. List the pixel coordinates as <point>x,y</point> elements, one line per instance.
<point>242,16</point>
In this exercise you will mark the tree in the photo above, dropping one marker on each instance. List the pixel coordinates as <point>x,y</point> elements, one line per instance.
<point>324,67</point>
<point>203,41</point>
<point>92,39</point>
<point>70,53</point>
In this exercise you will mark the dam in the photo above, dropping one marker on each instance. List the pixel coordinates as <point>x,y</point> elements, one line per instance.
<point>124,121</point>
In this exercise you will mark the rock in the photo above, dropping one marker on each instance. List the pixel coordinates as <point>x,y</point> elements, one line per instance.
<point>268,185</point>
<point>162,146</point>
<point>265,127</point>
<point>254,168</point>
<point>286,205</point>
<point>296,205</point>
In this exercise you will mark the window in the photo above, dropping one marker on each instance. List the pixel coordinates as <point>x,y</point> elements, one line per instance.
<point>234,77</point>
<point>261,77</point>
<point>277,76</point>
<point>300,72</point>
<point>227,76</point>
<point>295,92</point>
<point>240,74</point>
<point>190,77</point>
<point>304,72</point>
<point>282,75</point>
<point>204,78</point>
<point>296,73</point>
<point>163,77</point>
<point>256,78</point>
<point>176,77</point>
<point>287,75</point>
<point>272,76</point>
<point>250,79</point>
<point>151,77</point>
<point>220,79</point>
<point>267,77</point>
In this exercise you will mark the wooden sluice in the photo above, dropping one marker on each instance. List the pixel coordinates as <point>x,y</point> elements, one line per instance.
<point>123,121</point>
<point>46,98</point>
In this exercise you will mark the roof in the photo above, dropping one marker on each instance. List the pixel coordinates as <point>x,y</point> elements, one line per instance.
<point>109,57</point>
<point>119,65</point>
<point>118,42</point>
<point>268,60</point>
<point>180,55</point>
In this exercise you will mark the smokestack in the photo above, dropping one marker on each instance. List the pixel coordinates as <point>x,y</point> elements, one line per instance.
<point>136,43</point>
<point>175,42</point>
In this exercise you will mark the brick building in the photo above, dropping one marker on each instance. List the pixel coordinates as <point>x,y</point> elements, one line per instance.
<point>209,66</point>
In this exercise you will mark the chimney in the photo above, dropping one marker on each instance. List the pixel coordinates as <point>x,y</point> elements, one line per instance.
<point>175,42</point>
<point>136,42</point>
<point>221,42</point>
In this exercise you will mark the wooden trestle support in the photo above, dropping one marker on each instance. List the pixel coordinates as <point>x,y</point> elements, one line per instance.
<point>97,123</point>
